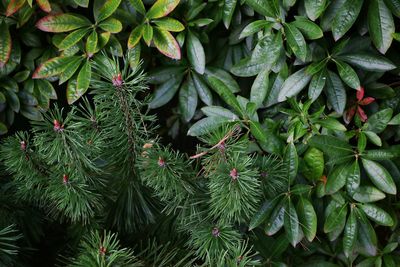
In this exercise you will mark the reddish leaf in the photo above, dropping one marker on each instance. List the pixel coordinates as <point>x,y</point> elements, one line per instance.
<point>14,6</point>
<point>366,101</point>
<point>5,44</point>
<point>349,114</point>
<point>361,114</point>
<point>44,5</point>
<point>360,94</point>
<point>166,44</point>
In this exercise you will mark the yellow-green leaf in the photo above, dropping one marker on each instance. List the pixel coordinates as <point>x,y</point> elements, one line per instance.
<point>61,23</point>
<point>111,25</point>
<point>107,9</point>
<point>161,8</point>
<point>5,44</point>
<point>135,36</point>
<point>169,24</point>
<point>166,44</point>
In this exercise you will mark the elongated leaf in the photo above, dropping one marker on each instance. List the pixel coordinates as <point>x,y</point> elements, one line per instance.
<point>367,240</point>
<point>261,7</point>
<point>138,5</point>
<point>294,84</point>
<point>258,132</point>
<point>148,34</point>
<point>227,12</point>
<point>335,92</point>
<point>254,27</point>
<point>317,84</point>
<point>52,67</point>
<point>206,125</point>
<point>291,161</point>
<point>202,89</point>
<point>248,68</point>
<point>307,218</point>
<point>111,25</point>
<point>70,69</point>
<point>337,178</point>
<point>82,83</point>
<point>296,41</point>
<point>259,89</point>
<point>345,17</point>
<point>334,218</point>
<point>91,43</point>
<point>394,6</point>
<point>368,61</point>
<point>377,214</point>
<point>166,43</point>
<point>353,177</point>
<point>379,176</point>
<point>224,76</point>
<point>310,30</point>
<point>348,75</point>
<point>164,74</point>
<point>195,52</point>
<point>350,233</point>
<point>107,9</point>
<point>72,38</point>
<point>135,36</point>
<point>13,6</point>
<point>165,92</point>
<point>379,120</point>
<point>44,5</point>
<point>187,100</point>
<point>314,8</point>
<point>61,23</point>
<point>5,44</point>
<point>169,24</point>
<point>267,51</point>
<point>161,8</point>
<point>263,213</point>
<point>313,164</point>
<point>380,25</point>
<point>223,91</point>
<point>366,194</point>
<point>291,223</point>
<point>217,111</point>
<point>331,145</point>
<point>275,222</point>
<point>330,14</point>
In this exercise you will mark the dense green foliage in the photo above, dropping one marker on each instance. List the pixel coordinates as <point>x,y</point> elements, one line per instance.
<point>289,117</point>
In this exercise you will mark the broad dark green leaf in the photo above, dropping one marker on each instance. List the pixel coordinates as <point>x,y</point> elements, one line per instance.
<point>188,100</point>
<point>263,213</point>
<point>331,124</point>
<point>291,223</point>
<point>330,14</point>
<point>248,68</point>
<point>314,8</point>
<point>224,76</point>
<point>366,194</point>
<point>379,120</point>
<point>307,218</point>
<point>368,61</point>
<point>164,74</point>
<point>206,125</point>
<point>259,89</point>
<point>367,240</point>
<point>261,7</point>
<point>72,38</point>
<point>317,84</point>
<point>91,44</point>
<point>353,177</point>
<point>138,5</point>
<point>335,92</point>
<point>314,164</point>
<point>294,84</point>
<point>202,89</point>
<point>164,93</point>
<point>223,91</point>
<point>217,111</point>
<point>296,41</point>
<point>337,178</point>
<point>380,24</point>
<point>335,218</point>
<point>227,12</point>
<point>394,6</point>
<point>331,145</point>
<point>345,17</point>
<point>377,214</point>
<point>255,27</point>
<point>81,85</point>
<point>350,233</point>
<point>291,161</point>
<point>267,51</point>
<point>348,75</point>
<point>161,8</point>
<point>195,52</point>
<point>379,176</point>
<point>275,221</point>
<point>310,30</point>
<point>258,132</point>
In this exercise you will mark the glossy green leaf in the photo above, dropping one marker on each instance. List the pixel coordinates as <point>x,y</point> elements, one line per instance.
<point>82,83</point>
<point>247,67</point>
<point>294,84</point>
<point>380,24</point>
<point>368,61</point>
<point>263,213</point>
<point>135,36</point>
<point>314,8</point>
<point>373,137</point>
<point>165,92</point>
<point>353,177</point>
<point>107,9</point>
<point>395,120</point>
<point>348,75</point>
<point>138,5</point>
<point>161,8</point>
<point>366,194</point>
<point>291,223</point>
<point>91,44</point>
<point>195,52</point>
<point>394,6</point>
<point>331,145</point>
<point>70,69</point>
<point>147,34</point>
<point>335,92</point>
<point>379,120</point>
<point>166,43</point>
<point>331,124</point>
<point>61,23</point>
<point>5,44</point>
<point>316,85</point>
<point>227,12</point>
<point>217,111</point>
<point>377,214</point>
<point>350,233</point>
<point>111,25</point>
<point>202,89</point>
<point>261,7</point>
<point>334,218</point>
<point>337,178</point>
<point>258,132</point>
<point>309,29</point>
<point>296,41</point>
<point>291,161</point>
<point>345,17</point>
<point>72,38</point>
<point>223,91</point>
<point>275,222</point>
<point>379,176</point>
<point>313,164</point>
<point>254,27</point>
<point>307,218</point>
<point>367,240</point>
<point>53,67</point>
<point>224,76</point>
<point>206,125</point>
<point>267,51</point>
<point>169,24</point>
<point>259,89</point>
<point>187,100</point>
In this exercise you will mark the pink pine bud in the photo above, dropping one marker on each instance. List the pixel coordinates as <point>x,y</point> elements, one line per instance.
<point>23,145</point>
<point>102,250</point>
<point>215,232</point>
<point>57,126</point>
<point>117,80</point>
<point>234,174</point>
<point>65,179</point>
<point>161,162</point>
